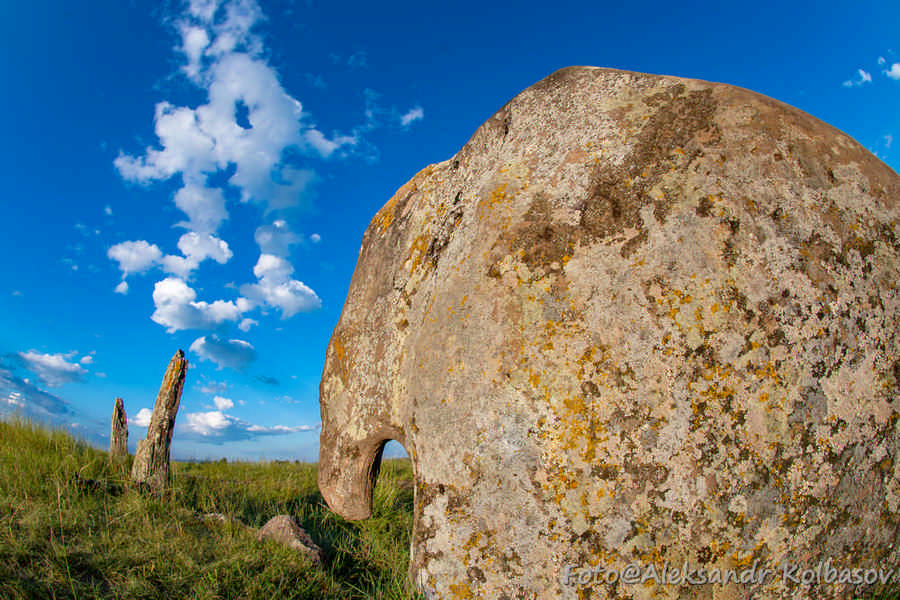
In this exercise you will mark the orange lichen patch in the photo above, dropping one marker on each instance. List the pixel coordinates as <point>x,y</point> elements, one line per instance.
<point>492,200</point>
<point>474,541</point>
<point>385,217</point>
<point>417,251</point>
<point>460,591</point>
<point>498,195</point>
<point>340,353</point>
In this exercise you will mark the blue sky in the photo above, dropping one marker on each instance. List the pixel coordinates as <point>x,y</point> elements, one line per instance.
<point>199,175</point>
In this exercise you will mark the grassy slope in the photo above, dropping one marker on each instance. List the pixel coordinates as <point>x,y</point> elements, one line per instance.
<point>60,539</point>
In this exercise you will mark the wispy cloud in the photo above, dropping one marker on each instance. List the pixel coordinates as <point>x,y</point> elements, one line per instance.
<point>53,369</point>
<point>316,81</point>
<point>217,427</point>
<point>414,114</point>
<point>236,354</point>
<point>862,78</point>
<point>214,387</point>
<point>22,395</point>
<point>356,60</point>
<point>276,238</point>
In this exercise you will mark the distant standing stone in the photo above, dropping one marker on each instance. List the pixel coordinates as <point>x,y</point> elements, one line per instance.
<point>118,437</point>
<point>151,461</point>
<point>285,530</point>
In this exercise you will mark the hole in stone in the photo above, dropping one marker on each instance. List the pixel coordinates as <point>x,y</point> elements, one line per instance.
<point>394,449</point>
<point>393,500</point>
<point>392,471</point>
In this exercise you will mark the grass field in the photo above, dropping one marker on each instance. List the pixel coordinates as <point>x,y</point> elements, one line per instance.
<point>62,539</point>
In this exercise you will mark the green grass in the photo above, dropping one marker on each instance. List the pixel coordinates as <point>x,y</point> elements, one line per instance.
<point>62,539</point>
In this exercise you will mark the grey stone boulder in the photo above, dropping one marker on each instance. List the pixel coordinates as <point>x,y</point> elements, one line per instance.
<point>635,320</point>
<point>285,530</point>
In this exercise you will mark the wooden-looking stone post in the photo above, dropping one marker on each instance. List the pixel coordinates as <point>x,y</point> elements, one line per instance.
<point>151,461</point>
<point>118,436</point>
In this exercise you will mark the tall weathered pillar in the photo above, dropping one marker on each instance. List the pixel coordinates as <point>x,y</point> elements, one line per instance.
<point>118,435</point>
<point>151,461</point>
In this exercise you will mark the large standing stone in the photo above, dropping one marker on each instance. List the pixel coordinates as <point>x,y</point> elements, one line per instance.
<point>636,319</point>
<point>118,435</point>
<point>151,461</point>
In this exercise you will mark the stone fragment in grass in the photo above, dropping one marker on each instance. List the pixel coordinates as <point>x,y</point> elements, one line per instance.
<point>285,530</point>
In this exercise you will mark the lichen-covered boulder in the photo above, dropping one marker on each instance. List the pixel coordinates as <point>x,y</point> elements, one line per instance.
<point>636,320</point>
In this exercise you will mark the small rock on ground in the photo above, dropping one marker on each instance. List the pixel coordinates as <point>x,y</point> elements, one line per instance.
<point>285,530</point>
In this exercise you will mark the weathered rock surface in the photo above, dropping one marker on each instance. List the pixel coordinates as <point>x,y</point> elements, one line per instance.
<point>636,319</point>
<point>118,435</point>
<point>151,460</point>
<point>285,530</point>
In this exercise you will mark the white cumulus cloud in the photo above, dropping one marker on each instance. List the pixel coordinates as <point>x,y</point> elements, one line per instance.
<point>222,403</point>
<point>135,257</point>
<point>894,71</point>
<point>142,419</point>
<point>204,207</point>
<point>207,423</point>
<point>276,287</point>
<point>177,307</point>
<point>223,57</point>
<point>248,126</point>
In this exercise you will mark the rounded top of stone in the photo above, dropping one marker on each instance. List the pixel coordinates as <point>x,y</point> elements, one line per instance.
<point>555,109</point>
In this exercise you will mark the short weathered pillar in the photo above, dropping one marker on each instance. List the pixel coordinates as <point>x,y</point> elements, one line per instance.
<point>118,435</point>
<point>151,461</point>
